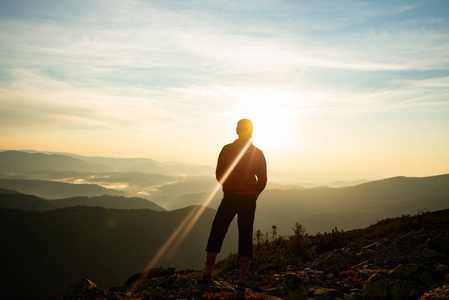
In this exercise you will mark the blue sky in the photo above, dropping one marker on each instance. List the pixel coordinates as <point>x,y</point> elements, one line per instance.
<point>336,89</point>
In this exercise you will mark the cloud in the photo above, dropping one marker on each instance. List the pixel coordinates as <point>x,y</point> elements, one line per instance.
<point>38,101</point>
<point>136,63</point>
<point>125,42</point>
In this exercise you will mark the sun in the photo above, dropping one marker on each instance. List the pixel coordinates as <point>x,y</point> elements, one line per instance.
<point>272,126</point>
<point>274,113</point>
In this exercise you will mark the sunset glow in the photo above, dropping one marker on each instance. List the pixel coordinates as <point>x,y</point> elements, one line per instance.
<point>336,90</point>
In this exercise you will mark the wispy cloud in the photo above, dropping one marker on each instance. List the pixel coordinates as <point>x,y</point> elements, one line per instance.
<point>135,38</point>
<point>173,68</point>
<point>38,101</point>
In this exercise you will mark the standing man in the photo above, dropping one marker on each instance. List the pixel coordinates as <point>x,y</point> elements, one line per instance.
<point>242,171</point>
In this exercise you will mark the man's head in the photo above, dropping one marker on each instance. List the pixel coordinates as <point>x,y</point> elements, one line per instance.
<point>245,129</point>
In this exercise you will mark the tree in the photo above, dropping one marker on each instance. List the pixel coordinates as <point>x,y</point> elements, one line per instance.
<point>274,232</point>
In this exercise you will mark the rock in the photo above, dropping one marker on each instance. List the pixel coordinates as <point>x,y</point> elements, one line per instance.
<point>116,296</point>
<point>334,261</point>
<point>356,294</point>
<point>322,293</point>
<point>379,287</point>
<point>414,272</point>
<point>429,253</point>
<point>305,280</point>
<point>366,253</point>
<point>290,281</point>
<point>309,271</point>
<point>349,297</point>
<point>367,273</point>
<point>375,288</point>
<point>408,241</point>
<point>277,291</point>
<point>440,243</point>
<point>299,294</point>
<point>84,289</point>
<point>439,293</point>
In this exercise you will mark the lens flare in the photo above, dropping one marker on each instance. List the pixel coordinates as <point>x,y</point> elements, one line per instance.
<point>180,233</point>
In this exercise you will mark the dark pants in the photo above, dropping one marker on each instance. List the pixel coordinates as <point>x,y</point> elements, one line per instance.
<point>242,205</point>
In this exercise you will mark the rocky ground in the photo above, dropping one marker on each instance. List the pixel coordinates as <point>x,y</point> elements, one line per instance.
<point>403,265</point>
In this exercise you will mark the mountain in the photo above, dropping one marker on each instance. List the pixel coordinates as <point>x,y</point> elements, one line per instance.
<point>183,192</point>
<point>56,190</point>
<point>199,198</point>
<point>132,183</point>
<point>142,165</point>
<point>322,209</point>
<point>118,202</point>
<point>16,200</point>
<point>17,161</point>
<point>5,191</point>
<point>46,251</point>
<point>169,169</point>
<point>118,164</point>
<point>396,258</point>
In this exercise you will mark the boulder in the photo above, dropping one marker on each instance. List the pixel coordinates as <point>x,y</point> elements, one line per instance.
<point>429,253</point>
<point>378,287</point>
<point>414,272</point>
<point>440,243</point>
<point>322,293</point>
<point>84,289</point>
<point>375,288</point>
<point>277,291</point>
<point>438,293</point>
<point>334,261</point>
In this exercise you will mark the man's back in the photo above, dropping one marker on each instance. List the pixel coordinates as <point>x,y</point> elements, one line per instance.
<point>248,175</point>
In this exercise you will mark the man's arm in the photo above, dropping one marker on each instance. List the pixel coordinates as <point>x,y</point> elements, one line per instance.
<point>261,174</point>
<point>221,167</point>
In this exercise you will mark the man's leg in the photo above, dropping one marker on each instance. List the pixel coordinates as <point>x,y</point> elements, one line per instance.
<point>244,266</point>
<point>223,218</point>
<point>210,261</point>
<point>245,224</point>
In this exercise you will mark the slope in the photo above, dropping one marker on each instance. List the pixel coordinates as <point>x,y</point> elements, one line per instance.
<point>118,202</point>
<point>57,247</point>
<point>16,200</point>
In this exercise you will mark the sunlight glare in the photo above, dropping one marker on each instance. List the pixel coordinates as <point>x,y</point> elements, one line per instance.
<point>181,232</point>
<point>272,113</point>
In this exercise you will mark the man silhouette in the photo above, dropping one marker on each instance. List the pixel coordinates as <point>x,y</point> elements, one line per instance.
<point>242,171</point>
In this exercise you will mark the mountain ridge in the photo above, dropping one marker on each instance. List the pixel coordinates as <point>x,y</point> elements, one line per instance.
<point>15,200</point>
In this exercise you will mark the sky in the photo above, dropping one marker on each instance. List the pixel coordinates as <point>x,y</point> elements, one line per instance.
<point>337,90</point>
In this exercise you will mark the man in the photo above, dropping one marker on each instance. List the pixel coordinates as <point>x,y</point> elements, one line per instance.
<point>242,171</point>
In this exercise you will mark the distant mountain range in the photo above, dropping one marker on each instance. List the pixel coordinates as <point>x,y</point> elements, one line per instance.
<point>14,200</point>
<point>322,209</point>
<point>345,205</point>
<point>31,161</point>
<point>17,161</point>
<point>56,190</point>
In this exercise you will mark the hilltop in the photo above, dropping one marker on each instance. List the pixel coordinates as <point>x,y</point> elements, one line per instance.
<point>396,258</point>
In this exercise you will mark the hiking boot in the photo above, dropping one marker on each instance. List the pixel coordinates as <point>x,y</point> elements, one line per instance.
<point>205,279</point>
<point>241,287</point>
